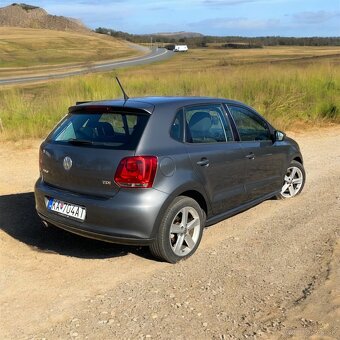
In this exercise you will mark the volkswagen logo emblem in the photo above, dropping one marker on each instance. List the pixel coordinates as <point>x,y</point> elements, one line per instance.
<point>67,163</point>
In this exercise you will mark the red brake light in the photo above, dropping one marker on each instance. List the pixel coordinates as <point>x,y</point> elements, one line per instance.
<point>136,172</point>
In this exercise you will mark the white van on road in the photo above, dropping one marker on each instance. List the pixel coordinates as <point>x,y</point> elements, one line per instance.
<point>180,48</point>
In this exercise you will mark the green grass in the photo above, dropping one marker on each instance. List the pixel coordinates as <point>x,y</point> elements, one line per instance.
<point>289,95</point>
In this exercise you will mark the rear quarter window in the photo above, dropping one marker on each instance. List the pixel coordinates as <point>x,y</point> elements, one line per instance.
<point>114,130</point>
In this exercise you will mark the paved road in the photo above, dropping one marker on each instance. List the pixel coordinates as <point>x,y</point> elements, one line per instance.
<point>154,56</point>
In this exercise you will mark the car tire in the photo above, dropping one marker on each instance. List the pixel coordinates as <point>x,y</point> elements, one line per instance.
<point>180,231</point>
<point>294,181</point>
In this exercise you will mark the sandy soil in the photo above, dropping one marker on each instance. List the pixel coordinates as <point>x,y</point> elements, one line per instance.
<point>270,272</point>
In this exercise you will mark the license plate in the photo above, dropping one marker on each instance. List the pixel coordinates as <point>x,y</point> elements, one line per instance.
<point>67,209</point>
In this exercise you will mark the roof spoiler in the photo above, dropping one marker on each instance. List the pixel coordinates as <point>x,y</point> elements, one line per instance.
<point>107,109</point>
<point>83,102</point>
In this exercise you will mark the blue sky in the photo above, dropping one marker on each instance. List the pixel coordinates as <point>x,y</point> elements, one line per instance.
<point>213,17</point>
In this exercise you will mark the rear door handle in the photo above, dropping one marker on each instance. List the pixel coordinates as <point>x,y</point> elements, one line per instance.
<point>250,155</point>
<point>203,162</point>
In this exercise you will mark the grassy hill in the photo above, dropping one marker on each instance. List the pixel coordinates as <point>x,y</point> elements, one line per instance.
<point>24,47</point>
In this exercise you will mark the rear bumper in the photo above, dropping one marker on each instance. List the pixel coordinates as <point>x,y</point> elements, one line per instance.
<point>130,217</point>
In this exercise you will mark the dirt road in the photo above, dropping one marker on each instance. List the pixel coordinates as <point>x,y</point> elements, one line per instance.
<point>270,272</point>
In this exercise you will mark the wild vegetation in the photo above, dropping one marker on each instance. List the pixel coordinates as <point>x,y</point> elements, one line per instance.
<point>25,6</point>
<point>289,86</point>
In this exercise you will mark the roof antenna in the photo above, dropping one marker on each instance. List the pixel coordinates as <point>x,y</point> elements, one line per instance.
<point>126,97</point>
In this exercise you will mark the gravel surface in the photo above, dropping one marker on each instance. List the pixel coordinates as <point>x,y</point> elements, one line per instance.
<point>270,272</point>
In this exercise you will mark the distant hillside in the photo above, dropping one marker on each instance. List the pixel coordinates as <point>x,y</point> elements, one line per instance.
<point>27,16</point>
<point>197,40</point>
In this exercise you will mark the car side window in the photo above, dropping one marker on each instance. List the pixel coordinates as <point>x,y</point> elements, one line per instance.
<point>206,124</point>
<point>176,131</point>
<point>249,125</point>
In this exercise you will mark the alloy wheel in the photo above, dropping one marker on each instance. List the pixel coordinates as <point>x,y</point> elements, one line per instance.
<point>185,231</point>
<point>293,182</point>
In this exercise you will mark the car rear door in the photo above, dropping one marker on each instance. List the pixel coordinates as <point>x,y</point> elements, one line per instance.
<point>265,160</point>
<point>215,156</point>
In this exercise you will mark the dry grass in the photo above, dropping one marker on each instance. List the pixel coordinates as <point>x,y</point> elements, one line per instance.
<point>290,94</point>
<point>197,59</point>
<point>25,47</point>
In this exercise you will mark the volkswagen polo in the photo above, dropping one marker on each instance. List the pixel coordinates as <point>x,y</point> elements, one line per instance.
<point>156,170</point>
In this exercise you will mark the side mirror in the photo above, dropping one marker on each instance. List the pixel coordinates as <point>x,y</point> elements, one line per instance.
<point>279,136</point>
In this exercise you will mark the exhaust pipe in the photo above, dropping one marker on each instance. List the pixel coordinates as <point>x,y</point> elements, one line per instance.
<point>46,225</point>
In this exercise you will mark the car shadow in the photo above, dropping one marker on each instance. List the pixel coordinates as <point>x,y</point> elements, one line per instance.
<point>19,219</point>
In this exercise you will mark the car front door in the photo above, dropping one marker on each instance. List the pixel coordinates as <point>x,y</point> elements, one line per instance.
<point>265,160</point>
<point>215,156</point>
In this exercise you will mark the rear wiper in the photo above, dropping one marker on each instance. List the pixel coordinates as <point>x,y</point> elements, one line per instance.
<point>80,142</point>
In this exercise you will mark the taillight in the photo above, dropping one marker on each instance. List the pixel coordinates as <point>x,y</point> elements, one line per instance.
<point>136,172</point>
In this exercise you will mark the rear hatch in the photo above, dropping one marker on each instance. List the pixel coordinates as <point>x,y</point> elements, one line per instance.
<point>83,152</point>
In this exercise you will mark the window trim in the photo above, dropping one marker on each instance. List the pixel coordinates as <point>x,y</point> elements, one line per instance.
<point>230,121</point>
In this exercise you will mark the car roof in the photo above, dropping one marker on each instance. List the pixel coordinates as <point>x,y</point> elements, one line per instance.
<point>149,103</point>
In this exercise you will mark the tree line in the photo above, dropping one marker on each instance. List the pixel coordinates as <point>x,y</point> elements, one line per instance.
<point>223,42</point>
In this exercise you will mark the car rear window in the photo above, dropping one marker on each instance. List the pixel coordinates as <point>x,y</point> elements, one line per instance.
<point>109,129</point>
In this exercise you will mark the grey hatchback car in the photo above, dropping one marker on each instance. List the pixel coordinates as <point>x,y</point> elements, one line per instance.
<point>156,170</point>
